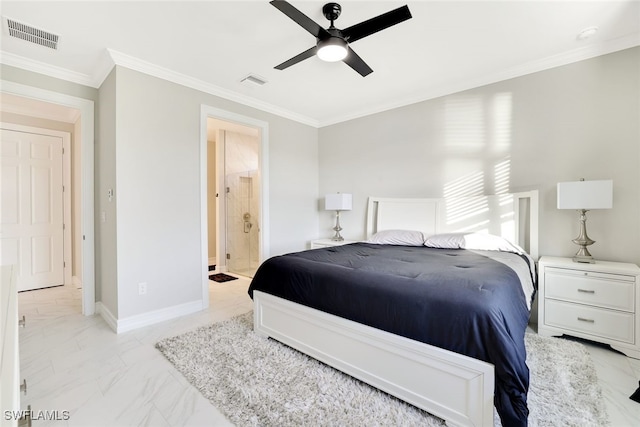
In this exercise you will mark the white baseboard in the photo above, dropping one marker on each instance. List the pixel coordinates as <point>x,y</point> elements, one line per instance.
<point>108,317</point>
<point>146,319</point>
<point>213,261</point>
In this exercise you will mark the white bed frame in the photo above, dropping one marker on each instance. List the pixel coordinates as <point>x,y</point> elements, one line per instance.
<point>456,388</point>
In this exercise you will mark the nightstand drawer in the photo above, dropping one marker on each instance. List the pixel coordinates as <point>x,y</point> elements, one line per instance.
<point>605,323</point>
<point>615,291</point>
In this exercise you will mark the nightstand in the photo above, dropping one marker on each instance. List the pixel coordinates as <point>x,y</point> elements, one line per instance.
<point>599,302</point>
<point>324,243</point>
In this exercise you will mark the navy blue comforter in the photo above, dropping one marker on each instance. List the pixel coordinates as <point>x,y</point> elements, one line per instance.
<point>454,299</point>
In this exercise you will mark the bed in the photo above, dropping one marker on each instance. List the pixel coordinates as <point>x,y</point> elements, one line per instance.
<point>426,354</point>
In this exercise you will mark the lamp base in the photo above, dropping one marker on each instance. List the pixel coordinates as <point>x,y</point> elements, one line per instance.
<point>583,241</point>
<point>337,237</point>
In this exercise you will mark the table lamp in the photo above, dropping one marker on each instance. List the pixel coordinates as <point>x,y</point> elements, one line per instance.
<point>584,196</point>
<point>337,202</point>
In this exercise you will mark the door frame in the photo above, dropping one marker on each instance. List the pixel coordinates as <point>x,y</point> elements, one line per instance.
<point>206,112</point>
<point>66,185</point>
<point>86,138</point>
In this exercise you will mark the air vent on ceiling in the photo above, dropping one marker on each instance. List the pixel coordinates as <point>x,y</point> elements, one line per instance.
<point>32,34</point>
<point>252,78</point>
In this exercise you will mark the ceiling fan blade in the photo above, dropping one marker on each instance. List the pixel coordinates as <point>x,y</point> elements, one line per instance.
<point>300,57</point>
<point>355,62</point>
<point>373,25</point>
<point>300,18</point>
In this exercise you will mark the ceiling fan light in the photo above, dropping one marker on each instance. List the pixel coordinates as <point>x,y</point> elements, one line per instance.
<point>332,49</point>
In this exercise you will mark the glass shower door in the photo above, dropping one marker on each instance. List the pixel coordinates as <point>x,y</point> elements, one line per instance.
<point>242,205</point>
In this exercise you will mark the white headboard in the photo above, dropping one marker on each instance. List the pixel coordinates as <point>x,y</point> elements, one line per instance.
<point>513,216</point>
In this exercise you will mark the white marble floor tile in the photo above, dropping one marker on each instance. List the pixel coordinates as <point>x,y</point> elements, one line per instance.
<point>178,401</point>
<point>77,364</point>
<point>205,415</point>
<point>63,396</point>
<point>635,365</point>
<point>618,381</point>
<point>153,418</point>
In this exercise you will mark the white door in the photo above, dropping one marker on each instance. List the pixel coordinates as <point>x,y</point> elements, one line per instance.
<point>31,208</point>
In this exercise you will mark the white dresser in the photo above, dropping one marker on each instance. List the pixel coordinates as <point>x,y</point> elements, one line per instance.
<point>599,302</point>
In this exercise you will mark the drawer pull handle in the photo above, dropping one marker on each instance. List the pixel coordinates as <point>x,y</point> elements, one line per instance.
<point>22,322</point>
<point>582,319</point>
<point>587,291</point>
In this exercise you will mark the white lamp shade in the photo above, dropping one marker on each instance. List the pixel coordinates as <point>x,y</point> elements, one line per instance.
<point>585,195</point>
<point>338,202</point>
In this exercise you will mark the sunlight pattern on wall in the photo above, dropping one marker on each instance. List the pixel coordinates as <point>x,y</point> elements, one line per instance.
<point>478,143</point>
<point>461,207</point>
<point>502,172</point>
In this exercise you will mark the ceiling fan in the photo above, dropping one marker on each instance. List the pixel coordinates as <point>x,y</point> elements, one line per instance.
<point>333,44</point>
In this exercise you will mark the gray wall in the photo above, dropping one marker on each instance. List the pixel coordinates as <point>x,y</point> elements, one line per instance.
<point>105,178</point>
<point>147,150</point>
<point>579,120</point>
<point>157,181</point>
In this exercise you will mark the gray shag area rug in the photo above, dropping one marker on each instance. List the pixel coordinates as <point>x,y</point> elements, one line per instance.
<point>259,382</point>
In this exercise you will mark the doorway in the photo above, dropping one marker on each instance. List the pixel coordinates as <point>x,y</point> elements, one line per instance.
<point>242,200</point>
<point>241,221</point>
<point>233,197</point>
<point>36,217</point>
<point>48,105</point>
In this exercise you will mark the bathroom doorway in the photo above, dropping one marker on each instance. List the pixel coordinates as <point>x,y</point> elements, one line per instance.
<point>242,197</point>
<point>234,202</point>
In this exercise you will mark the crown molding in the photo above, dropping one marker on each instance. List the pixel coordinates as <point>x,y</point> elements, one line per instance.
<point>136,64</point>
<point>46,69</point>
<point>112,58</point>
<point>554,61</point>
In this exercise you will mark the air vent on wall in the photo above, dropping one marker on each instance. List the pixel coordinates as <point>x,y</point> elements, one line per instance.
<point>32,34</point>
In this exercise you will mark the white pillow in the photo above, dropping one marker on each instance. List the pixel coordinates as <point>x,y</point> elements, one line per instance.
<point>445,241</point>
<point>477,241</point>
<point>398,237</point>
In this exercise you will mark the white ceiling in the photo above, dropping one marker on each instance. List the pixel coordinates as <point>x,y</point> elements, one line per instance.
<point>211,45</point>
